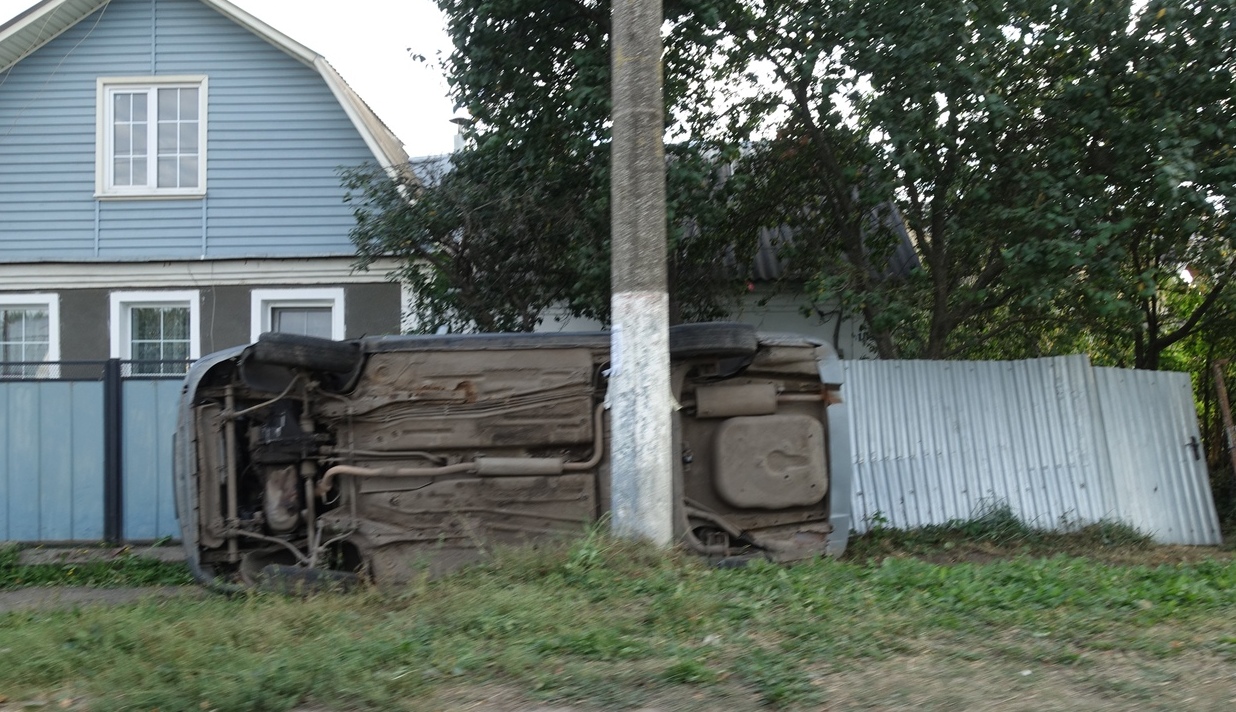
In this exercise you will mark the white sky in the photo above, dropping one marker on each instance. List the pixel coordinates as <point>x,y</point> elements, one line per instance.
<point>368,42</point>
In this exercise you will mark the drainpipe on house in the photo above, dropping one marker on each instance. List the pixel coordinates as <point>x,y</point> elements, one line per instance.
<point>639,386</point>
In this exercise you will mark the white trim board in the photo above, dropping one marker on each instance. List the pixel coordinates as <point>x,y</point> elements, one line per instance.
<point>200,273</point>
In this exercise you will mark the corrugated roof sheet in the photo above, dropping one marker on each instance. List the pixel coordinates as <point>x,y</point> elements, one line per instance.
<point>771,264</point>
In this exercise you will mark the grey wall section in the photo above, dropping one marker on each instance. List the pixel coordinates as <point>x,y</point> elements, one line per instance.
<point>788,312</point>
<point>1059,442</point>
<point>84,332</point>
<point>51,461</point>
<point>225,317</point>
<point>276,139</point>
<point>369,309</point>
<point>765,310</point>
<point>149,420</point>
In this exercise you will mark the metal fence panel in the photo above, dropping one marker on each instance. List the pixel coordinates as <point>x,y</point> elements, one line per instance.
<point>148,423</point>
<point>935,441</point>
<point>1157,458</point>
<point>51,466</point>
<point>1061,443</point>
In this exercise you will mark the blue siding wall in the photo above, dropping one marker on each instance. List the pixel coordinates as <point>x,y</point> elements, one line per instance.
<point>276,139</point>
<point>51,461</point>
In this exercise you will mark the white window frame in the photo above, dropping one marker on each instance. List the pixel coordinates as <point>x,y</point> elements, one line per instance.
<point>262,302</point>
<point>104,187</point>
<point>51,303</point>
<point>122,303</point>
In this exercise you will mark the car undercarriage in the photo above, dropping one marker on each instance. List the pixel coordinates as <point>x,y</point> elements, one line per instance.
<point>386,458</point>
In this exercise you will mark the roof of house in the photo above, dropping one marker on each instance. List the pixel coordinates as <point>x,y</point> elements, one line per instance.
<point>46,20</point>
<point>771,264</point>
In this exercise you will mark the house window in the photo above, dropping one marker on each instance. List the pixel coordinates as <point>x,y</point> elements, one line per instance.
<point>29,334</point>
<point>152,137</point>
<point>313,312</point>
<point>157,331</point>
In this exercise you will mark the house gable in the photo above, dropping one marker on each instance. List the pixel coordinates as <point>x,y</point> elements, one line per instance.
<point>280,124</point>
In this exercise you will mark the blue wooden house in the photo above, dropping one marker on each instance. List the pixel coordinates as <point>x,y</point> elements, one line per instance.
<point>169,184</point>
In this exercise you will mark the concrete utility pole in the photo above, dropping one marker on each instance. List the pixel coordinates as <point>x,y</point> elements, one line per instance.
<point>639,387</point>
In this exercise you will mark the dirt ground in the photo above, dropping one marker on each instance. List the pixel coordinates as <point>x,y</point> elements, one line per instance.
<point>930,681</point>
<point>1117,556</point>
<point>940,680</point>
<point>1108,681</point>
<point>65,597</point>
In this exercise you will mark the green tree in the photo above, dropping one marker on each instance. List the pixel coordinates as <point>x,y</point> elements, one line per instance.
<point>1150,128</point>
<point>521,221</point>
<point>1056,163</point>
<point>922,104</point>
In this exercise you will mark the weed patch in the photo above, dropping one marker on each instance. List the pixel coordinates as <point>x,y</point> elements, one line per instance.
<point>997,533</point>
<point>125,569</point>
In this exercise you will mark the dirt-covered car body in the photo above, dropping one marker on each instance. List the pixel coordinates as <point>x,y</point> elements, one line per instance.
<point>389,456</point>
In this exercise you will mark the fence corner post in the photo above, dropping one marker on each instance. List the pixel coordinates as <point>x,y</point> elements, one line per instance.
<point>113,480</point>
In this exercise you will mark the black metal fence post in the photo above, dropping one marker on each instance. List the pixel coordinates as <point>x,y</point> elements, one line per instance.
<point>113,483</point>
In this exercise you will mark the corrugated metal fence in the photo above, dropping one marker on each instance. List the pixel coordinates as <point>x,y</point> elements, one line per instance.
<point>85,455</point>
<point>1058,441</point>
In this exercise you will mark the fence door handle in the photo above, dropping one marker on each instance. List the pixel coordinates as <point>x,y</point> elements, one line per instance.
<point>1196,449</point>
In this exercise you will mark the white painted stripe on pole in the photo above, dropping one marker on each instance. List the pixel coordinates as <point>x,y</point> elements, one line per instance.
<point>640,414</point>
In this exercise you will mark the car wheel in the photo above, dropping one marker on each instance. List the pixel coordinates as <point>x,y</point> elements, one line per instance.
<point>308,352</point>
<point>718,339</point>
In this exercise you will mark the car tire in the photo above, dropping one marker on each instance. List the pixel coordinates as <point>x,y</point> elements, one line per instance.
<point>308,352</point>
<point>718,339</point>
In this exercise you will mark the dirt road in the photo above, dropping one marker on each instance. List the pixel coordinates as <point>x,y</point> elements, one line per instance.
<point>61,597</point>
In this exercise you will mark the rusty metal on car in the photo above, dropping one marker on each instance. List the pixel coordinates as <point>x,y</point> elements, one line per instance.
<point>386,457</point>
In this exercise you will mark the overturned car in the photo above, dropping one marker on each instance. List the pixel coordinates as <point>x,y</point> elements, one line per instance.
<point>385,457</point>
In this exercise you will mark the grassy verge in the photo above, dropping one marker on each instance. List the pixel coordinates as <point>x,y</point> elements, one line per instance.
<point>606,625</point>
<point>123,569</point>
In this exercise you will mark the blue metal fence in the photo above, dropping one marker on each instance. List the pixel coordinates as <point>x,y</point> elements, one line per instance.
<point>51,470</point>
<point>85,454</point>
<point>148,422</point>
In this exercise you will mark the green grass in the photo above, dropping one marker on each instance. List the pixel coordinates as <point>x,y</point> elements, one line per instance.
<point>609,625</point>
<point>125,569</point>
